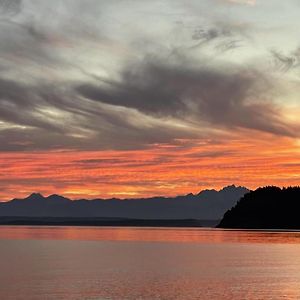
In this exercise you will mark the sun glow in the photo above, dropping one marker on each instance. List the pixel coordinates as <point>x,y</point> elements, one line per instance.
<point>188,166</point>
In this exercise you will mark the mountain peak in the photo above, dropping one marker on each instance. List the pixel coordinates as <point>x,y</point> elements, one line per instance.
<point>35,196</point>
<point>233,187</point>
<point>229,187</point>
<point>206,192</point>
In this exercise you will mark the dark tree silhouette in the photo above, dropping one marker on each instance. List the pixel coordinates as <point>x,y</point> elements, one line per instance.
<point>265,208</point>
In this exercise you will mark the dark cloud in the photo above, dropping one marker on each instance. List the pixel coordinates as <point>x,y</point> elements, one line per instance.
<point>223,39</point>
<point>19,104</point>
<point>222,36</point>
<point>210,34</point>
<point>51,117</point>
<point>235,98</point>
<point>158,100</point>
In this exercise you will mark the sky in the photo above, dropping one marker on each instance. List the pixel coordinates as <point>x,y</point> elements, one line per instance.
<point>141,98</point>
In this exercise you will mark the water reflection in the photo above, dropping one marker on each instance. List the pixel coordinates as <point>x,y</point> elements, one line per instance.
<point>196,235</point>
<point>71,263</point>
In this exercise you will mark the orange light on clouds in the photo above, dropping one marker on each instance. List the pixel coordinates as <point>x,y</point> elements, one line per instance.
<point>188,166</point>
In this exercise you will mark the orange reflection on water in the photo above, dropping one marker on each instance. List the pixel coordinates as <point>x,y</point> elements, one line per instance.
<point>204,264</point>
<point>148,234</point>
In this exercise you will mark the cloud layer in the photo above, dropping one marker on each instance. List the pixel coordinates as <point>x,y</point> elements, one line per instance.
<point>89,80</point>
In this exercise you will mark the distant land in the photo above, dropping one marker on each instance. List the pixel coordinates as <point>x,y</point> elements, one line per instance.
<point>265,208</point>
<point>64,221</point>
<point>208,206</point>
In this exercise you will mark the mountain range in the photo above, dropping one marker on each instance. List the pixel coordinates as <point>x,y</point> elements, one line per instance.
<point>206,205</point>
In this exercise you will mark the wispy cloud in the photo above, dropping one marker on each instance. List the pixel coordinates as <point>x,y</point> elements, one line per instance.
<point>245,2</point>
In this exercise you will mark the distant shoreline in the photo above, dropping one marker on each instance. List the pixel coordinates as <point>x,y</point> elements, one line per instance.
<point>62,221</point>
<point>123,222</point>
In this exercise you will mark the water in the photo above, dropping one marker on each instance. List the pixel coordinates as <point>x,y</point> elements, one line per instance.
<point>147,263</point>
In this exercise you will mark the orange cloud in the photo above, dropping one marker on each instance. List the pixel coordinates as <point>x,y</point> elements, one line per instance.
<point>164,169</point>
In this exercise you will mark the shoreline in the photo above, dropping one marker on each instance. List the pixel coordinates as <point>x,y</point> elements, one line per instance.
<point>66,221</point>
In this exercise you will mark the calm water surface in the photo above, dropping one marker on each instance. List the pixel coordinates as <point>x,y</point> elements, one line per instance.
<point>147,263</point>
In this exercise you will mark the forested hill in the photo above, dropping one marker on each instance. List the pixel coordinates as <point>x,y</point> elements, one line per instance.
<point>265,208</point>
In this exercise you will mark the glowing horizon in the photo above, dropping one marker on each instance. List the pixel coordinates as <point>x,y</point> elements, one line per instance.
<point>163,170</point>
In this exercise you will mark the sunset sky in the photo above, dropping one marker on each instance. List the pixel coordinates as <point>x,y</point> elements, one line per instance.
<point>141,98</point>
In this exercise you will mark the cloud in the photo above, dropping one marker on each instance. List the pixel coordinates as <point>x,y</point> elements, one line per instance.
<point>153,101</point>
<point>52,96</point>
<point>235,98</point>
<point>224,38</point>
<point>244,2</point>
<point>10,7</point>
<point>52,117</point>
<point>286,62</point>
<point>210,34</point>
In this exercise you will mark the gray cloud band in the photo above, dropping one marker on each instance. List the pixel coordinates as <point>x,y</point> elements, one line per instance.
<point>157,98</point>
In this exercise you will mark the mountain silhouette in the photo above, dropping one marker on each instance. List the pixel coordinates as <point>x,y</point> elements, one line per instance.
<point>265,208</point>
<point>207,205</point>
